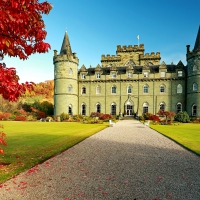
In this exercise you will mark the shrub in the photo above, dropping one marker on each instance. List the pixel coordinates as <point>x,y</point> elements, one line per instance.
<point>4,116</point>
<point>64,116</point>
<point>182,117</point>
<point>154,118</point>
<point>20,118</point>
<point>40,115</point>
<point>147,115</point>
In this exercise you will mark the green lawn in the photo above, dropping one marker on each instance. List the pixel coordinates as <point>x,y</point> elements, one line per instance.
<point>30,143</point>
<point>186,134</point>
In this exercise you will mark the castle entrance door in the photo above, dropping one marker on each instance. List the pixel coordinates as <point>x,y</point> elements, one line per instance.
<point>129,110</point>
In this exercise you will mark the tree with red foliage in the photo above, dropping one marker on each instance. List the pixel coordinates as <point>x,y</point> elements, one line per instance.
<point>21,34</point>
<point>167,114</point>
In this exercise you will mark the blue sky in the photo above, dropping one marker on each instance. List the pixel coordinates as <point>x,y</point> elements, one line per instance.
<point>96,27</point>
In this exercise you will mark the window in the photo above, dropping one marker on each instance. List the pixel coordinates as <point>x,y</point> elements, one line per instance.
<point>180,73</point>
<point>114,89</point>
<point>195,87</point>
<point>195,68</point>
<point>83,90</point>
<point>179,88</point>
<point>70,110</point>
<point>114,75</point>
<point>178,107</point>
<point>162,74</point>
<point>145,74</point>
<point>83,109</point>
<point>130,74</point>
<point>98,75</point>
<point>162,88</point>
<point>70,88</point>
<point>98,89</point>
<point>98,108</point>
<point>162,106</point>
<point>113,109</point>
<point>70,71</point>
<point>194,110</point>
<point>146,89</point>
<point>129,89</point>
<point>83,76</point>
<point>145,108</point>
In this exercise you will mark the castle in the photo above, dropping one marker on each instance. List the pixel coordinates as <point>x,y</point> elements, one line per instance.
<point>128,83</point>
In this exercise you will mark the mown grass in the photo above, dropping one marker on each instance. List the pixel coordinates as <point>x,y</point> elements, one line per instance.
<point>30,143</point>
<point>186,134</point>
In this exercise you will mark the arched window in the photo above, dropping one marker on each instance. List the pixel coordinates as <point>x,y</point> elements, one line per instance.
<point>162,106</point>
<point>113,109</point>
<point>178,107</point>
<point>195,87</point>
<point>179,88</point>
<point>114,89</point>
<point>129,89</point>
<point>98,75</point>
<point>145,107</point>
<point>83,90</point>
<point>162,88</point>
<point>70,88</point>
<point>70,71</point>
<point>98,89</point>
<point>83,109</point>
<point>194,110</point>
<point>146,89</point>
<point>70,109</point>
<point>195,68</point>
<point>98,107</point>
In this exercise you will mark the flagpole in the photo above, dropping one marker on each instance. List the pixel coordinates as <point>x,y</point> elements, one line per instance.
<point>138,37</point>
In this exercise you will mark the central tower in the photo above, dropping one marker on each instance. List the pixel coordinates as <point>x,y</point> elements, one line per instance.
<point>65,80</point>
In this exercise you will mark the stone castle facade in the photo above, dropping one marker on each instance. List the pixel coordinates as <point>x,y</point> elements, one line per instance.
<point>128,83</point>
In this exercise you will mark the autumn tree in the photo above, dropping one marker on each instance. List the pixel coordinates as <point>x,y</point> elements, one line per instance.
<point>167,114</point>
<point>22,33</point>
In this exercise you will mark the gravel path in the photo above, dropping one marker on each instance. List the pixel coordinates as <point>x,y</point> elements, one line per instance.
<point>127,161</point>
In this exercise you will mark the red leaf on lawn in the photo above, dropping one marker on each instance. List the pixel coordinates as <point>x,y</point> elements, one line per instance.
<point>100,189</point>
<point>104,193</point>
<point>169,195</point>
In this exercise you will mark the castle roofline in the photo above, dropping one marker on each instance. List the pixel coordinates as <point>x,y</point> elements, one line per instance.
<point>66,47</point>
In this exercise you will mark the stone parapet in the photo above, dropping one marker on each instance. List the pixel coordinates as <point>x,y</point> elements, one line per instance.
<point>65,57</point>
<point>130,48</point>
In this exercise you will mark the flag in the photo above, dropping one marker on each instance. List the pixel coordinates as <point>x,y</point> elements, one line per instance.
<point>138,37</point>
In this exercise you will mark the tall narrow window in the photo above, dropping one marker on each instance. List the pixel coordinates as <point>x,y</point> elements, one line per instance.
<point>162,74</point>
<point>195,87</point>
<point>70,110</point>
<point>146,74</point>
<point>162,106</point>
<point>129,89</point>
<point>114,75</point>
<point>195,68</point>
<point>114,89</point>
<point>130,74</point>
<point>70,88</point>
<point>70,71</point>
<point>146,89</point>
<point>178,107</point>
<point>83,76</point>
<point>113,109</point>
<point>98,89</point>
<point>98,108</point>
<point>83,109</point>
<point>162,88</point>
<point>179,88</point>
<point>194,110</point>
<point>145,108</point>
<point>180,73</point>
<point>83,90</point>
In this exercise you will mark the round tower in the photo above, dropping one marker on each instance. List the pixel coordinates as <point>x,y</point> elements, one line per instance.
<point>193,79</point>
<point>65,80</point>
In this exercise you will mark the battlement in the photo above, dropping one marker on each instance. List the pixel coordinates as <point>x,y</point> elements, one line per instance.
<point>65,57</point>
<point>148,56</point>
<point>130,48</point>
<point>109,57</point>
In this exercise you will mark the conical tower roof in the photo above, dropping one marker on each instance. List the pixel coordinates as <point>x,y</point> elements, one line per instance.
<point>66,48</point>
<point>197,43</point>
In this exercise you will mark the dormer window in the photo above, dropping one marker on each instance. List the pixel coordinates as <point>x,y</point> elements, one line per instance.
<point>195,68</point>
<point>130,74</point>
<point>162,74</point>
<point>83,76</point>
<point>180,73</point>
<point>114,75</point>
<point>146,74</point>
<point>98,75</point>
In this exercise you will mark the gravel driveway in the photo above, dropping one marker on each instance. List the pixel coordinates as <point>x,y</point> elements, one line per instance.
<point>127,161</point>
